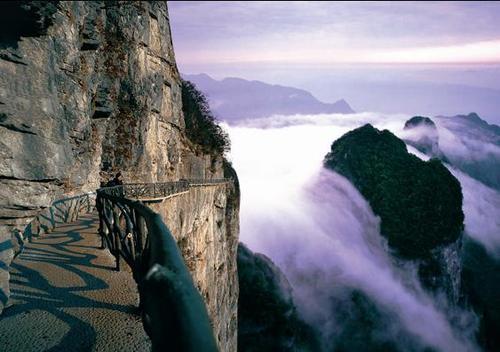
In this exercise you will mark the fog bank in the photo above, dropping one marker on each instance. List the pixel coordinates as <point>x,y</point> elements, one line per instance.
<point>321,232</point>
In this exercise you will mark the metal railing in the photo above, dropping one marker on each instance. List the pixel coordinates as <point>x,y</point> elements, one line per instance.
<point>147,190</point>
<point>60,211</point>
<point>160,189</point>
<point>206,182</point>
<point>174,314</point>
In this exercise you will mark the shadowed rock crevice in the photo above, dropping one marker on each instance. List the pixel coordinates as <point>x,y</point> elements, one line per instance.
<point>24,19</point>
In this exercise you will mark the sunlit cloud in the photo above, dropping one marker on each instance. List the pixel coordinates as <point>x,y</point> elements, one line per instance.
<point>335,32</point>
<point>481,52</point>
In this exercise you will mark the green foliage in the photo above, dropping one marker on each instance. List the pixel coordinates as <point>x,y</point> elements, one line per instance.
<point>419,203</point>
<point>201,126</point>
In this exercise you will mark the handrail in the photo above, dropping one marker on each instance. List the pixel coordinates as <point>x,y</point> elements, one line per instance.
<point>158,189</point>
<point>60,211</point>
<point>174,314</point>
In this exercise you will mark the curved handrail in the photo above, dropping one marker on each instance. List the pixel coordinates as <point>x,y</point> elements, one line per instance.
<point>174,313</point>
<point>60,211</point>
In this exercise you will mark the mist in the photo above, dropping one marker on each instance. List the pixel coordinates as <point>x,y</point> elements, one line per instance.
<point>481,207</point>
<point>323,234</point>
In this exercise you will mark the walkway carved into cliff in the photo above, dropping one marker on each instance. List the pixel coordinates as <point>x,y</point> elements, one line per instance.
<point>67,297</point>
<point>65,290</point>
<point>174,313</point>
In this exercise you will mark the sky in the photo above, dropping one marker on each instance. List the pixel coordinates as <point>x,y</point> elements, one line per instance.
<point>329,33</point>
<point>435,58</point>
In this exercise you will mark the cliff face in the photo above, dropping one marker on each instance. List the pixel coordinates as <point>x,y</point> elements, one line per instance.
<point>205,224</point>
<point>88,89</point>
<point>97,94</point>
<point>268,320</point>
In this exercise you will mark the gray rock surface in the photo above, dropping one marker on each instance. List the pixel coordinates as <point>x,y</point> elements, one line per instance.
<point>87,89</point>
<point>268,319</point>
<point>204,223</point>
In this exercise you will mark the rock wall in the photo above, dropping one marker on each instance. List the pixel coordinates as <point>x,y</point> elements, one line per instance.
<point>441,272</point>
<point>88,89</point>
<point>267,316</point>
<point>205,224</point>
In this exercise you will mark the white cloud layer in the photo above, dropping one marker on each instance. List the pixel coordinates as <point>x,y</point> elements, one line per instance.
<point>317,227</point>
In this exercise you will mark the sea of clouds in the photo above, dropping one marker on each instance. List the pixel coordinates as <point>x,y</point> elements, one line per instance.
<point>323,234</point>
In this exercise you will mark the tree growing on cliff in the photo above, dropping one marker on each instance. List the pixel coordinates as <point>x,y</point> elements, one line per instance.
<point>201,125</point>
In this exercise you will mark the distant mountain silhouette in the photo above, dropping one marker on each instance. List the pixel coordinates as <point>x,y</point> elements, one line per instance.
<point>474,126</point>
<point>478,141</point>
<point>233,99</point>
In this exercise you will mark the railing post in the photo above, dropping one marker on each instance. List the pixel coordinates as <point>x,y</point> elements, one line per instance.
<point>99,206</point>
<point>141,233</point>
<point>103,240</point>
<point>130,239</point>
<point>117,248</point>
<point>116,236</point>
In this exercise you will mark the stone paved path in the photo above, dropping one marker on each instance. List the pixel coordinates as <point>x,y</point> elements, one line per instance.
<point>66,296</point>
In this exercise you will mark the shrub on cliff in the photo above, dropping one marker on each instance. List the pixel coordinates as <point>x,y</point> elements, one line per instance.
<point>419,203</point>
<point>201,125</point>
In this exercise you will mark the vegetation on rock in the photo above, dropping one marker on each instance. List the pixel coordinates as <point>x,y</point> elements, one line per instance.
<point>418,121</point>
<point>424,137</point>
<point>420,203</point>
<point>201,125</point>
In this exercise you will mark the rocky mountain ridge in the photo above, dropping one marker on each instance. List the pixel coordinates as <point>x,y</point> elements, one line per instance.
<point>470,131</point>
<point>234,99</point>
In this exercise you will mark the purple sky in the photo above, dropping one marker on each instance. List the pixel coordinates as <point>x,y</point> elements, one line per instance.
<point>333,33</point>
<point>436,58</point>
